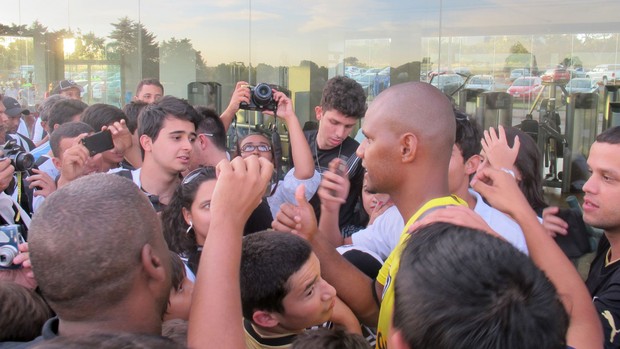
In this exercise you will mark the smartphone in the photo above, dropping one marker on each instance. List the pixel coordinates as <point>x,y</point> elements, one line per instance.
<point>98,142</point>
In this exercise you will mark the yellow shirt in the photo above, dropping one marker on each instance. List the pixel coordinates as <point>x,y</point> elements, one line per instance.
<point>390,267</point>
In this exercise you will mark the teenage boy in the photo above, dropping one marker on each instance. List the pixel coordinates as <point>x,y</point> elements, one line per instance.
<point>149,91</point>
<point>167,132</point>
<point>343,104</point>
<point>282,291</point>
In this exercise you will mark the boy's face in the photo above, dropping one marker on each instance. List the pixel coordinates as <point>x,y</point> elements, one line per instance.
<point>310,299</point>
<point>180,301</point>
<point>601,202</point>
<point>334,128</point>
<point>149,94</point>
<point>172,148</point>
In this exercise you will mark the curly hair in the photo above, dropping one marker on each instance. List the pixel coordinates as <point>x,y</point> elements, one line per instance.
<point>344,95</point>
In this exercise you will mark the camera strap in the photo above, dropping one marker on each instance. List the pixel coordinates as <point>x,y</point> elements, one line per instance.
<point>7,202</point>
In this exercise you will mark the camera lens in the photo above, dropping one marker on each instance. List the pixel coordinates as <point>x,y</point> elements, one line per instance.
<point>7,253</point>
<point>23,161</point>
<point>262,94</point>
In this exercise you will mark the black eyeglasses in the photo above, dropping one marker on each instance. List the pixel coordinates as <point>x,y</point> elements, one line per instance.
<point>263,148</point>
<point>461,116</point>
<point>207,170</point>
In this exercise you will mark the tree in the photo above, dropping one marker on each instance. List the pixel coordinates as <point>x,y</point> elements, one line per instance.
<point>520,57</point>
<point>130,36</point>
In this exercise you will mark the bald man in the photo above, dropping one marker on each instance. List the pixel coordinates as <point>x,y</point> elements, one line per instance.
<point>410,131</point>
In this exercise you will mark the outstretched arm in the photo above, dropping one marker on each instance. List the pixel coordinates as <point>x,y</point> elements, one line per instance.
<point>240,94</point>
<point>333,193</point>
<point>216,304</point>
<point>502,192</point>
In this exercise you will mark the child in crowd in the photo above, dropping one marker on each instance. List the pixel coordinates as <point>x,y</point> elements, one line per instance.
<point>282,292</point>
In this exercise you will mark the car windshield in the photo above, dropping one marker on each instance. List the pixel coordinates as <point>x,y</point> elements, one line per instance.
<point>480,81</point>
<point>524,82</point>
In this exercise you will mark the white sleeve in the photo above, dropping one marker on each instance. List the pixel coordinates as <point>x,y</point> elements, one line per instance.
<point>382,236</point>
<point>286,190</point>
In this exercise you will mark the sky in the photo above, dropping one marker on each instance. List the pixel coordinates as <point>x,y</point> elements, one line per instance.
<point>280,32</point>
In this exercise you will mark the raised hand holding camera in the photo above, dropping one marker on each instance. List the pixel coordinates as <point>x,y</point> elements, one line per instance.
<point>261,99</point>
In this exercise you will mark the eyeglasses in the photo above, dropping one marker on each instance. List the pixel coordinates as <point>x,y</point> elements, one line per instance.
<point>208,134</point>
<point>263,148</point>
<point>207,171</point>
<point>461,116</point>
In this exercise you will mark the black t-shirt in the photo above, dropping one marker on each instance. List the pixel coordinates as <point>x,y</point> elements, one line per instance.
<point>604,285</point>
<point>322,159</point>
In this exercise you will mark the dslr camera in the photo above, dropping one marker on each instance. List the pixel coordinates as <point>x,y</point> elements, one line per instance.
<point>10,238</point>
<point>21,160</point>
<point>261,98</point>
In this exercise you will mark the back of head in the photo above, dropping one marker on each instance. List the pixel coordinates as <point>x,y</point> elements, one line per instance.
<point>64,111</point>
<point>268,259</point>
<point>344,95</point>
<point>85,245</point>
<point>462,288</point>
<point>132,110</point>
<point>152,117</point>
<point>99,115</point>
<point>329,339</point>
<point>423,110</point>
<point>528,163</point>
<point>110,341</point>
<point>610,136</point>
<point>468,135</point>
<point>213,125</point>
<point>68,130</point>
<point>47,104</point>
<point>23,313</point>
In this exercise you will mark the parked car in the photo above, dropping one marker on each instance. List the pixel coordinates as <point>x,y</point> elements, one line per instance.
<point>519,73</point>
<point>558,74</point>
<point>605,73</point>
<point>447,83</point>
<point>481,82</point>
<point>525,88</point>
<point>581,85</point>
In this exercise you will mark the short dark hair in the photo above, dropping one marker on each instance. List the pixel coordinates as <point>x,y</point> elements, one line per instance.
<point>268,259</point>
<point>176,330</point>
<point>610,135</point>
<point>344,95</point>
<point>85,234</point>
<point>47,104</point>
<point>99,115</point>
<point>152,117</point>
<point>212,124</point>
<point>63,111</point>
<point>468,135</point>
<point>149,81</point>
<point>329,339</point>
<point>462,288</point>
<point>67,130</point>
<point>132,110</point>
<point>23,313</point>
<point>114,340</point>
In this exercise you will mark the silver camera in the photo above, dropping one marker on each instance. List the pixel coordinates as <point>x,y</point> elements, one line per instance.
<point>10,238</point>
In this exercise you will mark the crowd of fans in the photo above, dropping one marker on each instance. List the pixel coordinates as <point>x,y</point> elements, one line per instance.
<point>141,229</point>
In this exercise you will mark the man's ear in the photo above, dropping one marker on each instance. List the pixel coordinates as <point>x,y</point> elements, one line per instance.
<point>152,264</point>
<point>146,143</point>
<point>318,111</point>
<point>408,147</point>
<point>397,341</point>
<point>471,165</point>
<point>57,162</point>
<point>265,319</point>
<point>203,141</point>
<point>187,215</point>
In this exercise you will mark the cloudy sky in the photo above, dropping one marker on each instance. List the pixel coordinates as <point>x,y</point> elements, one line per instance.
<point>286,32</point>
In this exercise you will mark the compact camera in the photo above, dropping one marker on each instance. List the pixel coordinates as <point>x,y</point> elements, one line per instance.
<point>261,98</point>
<point>10,238</point>
<point>21,160</point>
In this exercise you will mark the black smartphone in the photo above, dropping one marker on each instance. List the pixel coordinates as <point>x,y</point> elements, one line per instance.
<point>98,142</point>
